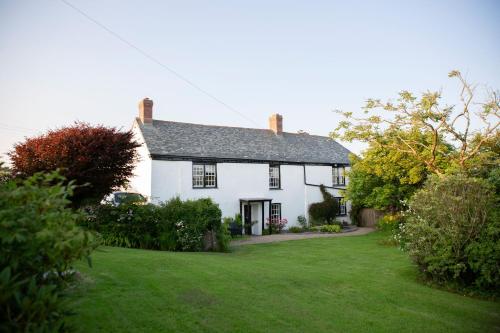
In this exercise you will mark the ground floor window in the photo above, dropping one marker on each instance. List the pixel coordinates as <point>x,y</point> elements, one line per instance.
<point>342,206</point>
<point>275,211</point>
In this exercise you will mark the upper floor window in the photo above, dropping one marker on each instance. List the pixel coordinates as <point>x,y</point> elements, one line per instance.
<point>204,175</point>
<point>274,176</point>
<point>338,175</point>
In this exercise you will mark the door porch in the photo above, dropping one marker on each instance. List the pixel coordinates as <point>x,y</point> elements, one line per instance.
<point>252,211</point>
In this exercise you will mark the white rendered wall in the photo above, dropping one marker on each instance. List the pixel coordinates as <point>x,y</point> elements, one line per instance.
<point>318,175</point>
<point>141,180</point>
<point>244,180</point>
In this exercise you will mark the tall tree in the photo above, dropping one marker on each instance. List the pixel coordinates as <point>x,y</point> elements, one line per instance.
<point>440,123</point>
<point>383,177</point>
<point>98,159</point>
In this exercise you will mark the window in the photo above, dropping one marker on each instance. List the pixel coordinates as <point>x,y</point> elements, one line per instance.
<point>338,175</point>
<point>342,207</point>
<point>204,175</point>
<point>274,176</point>
<point>275,211</point>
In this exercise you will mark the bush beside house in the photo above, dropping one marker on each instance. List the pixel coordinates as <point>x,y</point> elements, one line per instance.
<point>326,211</point>
<point>176,225</point>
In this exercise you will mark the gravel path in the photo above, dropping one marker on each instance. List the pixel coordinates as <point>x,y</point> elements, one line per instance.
<point>291,236</point>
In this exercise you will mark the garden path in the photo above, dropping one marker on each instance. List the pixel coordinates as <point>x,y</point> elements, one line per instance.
<point>292,236</point>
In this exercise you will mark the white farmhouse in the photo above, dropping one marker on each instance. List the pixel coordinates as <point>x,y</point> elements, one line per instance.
<point>259,173</point>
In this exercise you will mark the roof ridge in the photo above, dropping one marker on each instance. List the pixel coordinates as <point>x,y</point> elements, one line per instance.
<point>239,127</point>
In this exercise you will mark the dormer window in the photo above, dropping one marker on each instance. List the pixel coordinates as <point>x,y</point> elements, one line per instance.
<point>338,175</point>
<point>274,177</point>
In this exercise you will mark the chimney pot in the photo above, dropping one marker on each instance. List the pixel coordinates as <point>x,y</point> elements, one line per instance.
<point>146,111</point>
<point>276,123</point>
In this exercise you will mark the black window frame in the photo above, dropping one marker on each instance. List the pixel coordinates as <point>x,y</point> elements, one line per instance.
<point>279,176</point>
<point>280,206</point>
<point>341,202</point>
<point>338,177</point>
<point>204,175</point>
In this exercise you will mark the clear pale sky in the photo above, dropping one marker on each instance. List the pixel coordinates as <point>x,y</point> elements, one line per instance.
<point>297,58</point>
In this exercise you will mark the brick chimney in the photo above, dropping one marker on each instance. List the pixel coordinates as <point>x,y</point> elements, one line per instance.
<point>146,111</point>
<point>276,123</point>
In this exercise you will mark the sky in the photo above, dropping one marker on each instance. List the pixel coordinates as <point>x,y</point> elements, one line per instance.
<point>301,59</point>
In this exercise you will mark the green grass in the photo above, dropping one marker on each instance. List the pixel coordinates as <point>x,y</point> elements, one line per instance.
<point>349,284</point>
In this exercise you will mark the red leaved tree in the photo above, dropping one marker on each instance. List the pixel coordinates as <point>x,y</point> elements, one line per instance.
<point>97,158</point>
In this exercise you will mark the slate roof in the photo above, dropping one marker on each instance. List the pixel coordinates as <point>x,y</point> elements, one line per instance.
<point>170,139</point>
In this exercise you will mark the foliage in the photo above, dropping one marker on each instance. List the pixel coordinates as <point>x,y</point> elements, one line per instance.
<point>5,173</point>
<point>238,220</point>
<point>330,228</point>
<point>227,220</point>
<point>39,241</point>
<point>276,225</point>
<point>354,214</point>
<point>384,177</point>
<point>175,225</point>
<point>295,229</point>
<point>97,158</point>
<point>223,237</point>
<point>453,232</point>
<point>325,211</point>
<point>389,222</point>
<point>409,117</point>
<point>301,219</point>
<point>494,179</point>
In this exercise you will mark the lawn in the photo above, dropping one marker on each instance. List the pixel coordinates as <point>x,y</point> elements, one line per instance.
<point>349,284</point>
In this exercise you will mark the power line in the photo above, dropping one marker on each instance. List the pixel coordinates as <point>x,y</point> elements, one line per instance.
<point>156,61</point>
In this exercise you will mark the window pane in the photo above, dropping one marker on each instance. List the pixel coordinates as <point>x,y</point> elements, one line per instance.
<point>335,176</point>
<point>197,175</point>
<point>342,207</point>
<point>274,177</point>
<point>210,175</point>
<point>275,211</point>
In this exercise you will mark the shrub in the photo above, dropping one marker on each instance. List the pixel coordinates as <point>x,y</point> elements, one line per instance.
<point>330,228</point>
<point>295,229</point>
<point>127,225</point>
<point>97,158</point>
<point>5,173</point>
<point>175,225</point>
<point>389,222</point>
<point>39,241</point>
<point>301,219</point>
<point>355,214</point>
<point>276,225</point>
<point>325,211</point>
<point>453,233</point>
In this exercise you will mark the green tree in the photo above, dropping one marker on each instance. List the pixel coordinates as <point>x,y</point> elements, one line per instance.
<point>439,124</point>
<point>384,177</point>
